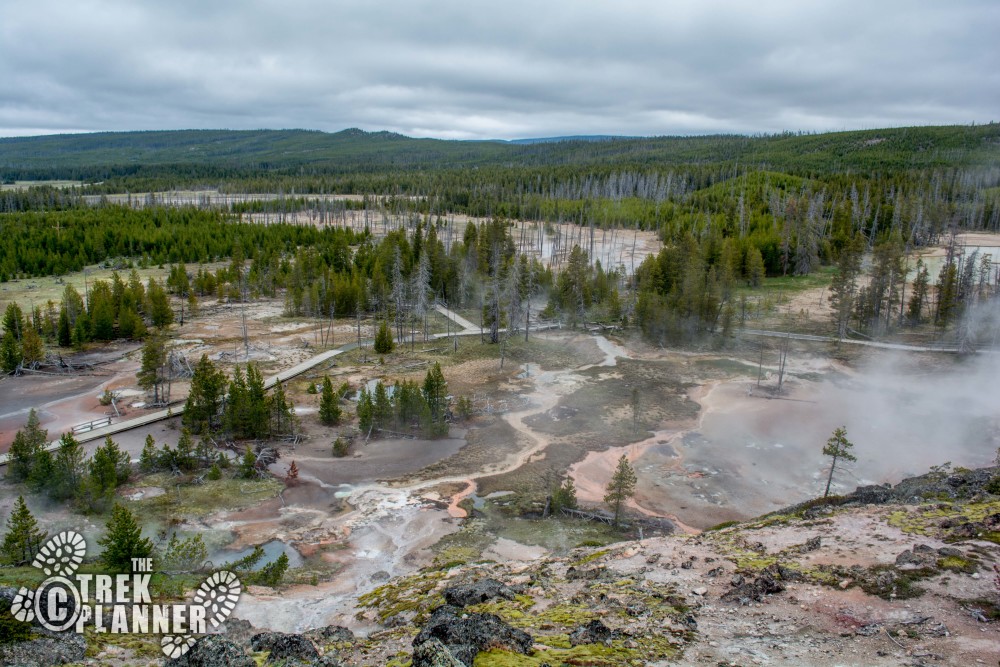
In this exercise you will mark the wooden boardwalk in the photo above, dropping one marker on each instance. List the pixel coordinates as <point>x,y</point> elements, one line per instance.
<point>101,432</point>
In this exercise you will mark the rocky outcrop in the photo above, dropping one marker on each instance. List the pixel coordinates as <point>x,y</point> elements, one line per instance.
<point>594,632</point>
<point>464,636</point>
<point>477,592</point>
<point>63,649</point>
<point>331,634</point>
<point>213,651</point>
<point>432,653</point>
<point>744,592</point>
<point>286,649</point>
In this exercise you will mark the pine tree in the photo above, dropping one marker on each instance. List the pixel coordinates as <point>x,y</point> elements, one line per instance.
<point>32,348</point>
<point>149,460</point>
<point>839,449</point>
<point>915,308</point>
<point>152,372</point>
<point>123,541</point>
<point>620,488</point>
<point>435,391</point>
<point>256,421</point>
<point>110,466</point>
<point>282,412</point>
<point>184,455</point>
<point>383,339</point>
<point>272,573</point>
<point>158,305</point>
<point>10,352</point>
<point>381,406</point>
<point>23,538</point>
<point>329,406</point>
<point>248,464</point>
<point>40,477</point>
<point>13,320</point>
<point>844,287</point>
<point>184,555</point>
<point>292,476</point>
<point>755,267</point>
<point>67,469</point>
<point>564,495</point>
<point>208,385</point>
<point>25,447</point>
<point>366,411</point>
<point>64,336</point>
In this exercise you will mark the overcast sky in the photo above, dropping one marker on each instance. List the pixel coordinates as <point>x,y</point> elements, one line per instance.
<point>498,69</point>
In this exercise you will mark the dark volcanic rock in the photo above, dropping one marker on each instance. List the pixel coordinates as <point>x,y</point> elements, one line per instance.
<point>285,647</point>
<point>594,632</point>
<point>432,653</point>
<point>213,651</point>
<point>238,630</point>
<point>60,650</point>
<point>465,637</point>
<point>332,633</point>
<point>756,590</point>
<point>477,592</point>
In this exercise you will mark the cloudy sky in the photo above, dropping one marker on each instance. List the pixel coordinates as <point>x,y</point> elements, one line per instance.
<point>505,69</point>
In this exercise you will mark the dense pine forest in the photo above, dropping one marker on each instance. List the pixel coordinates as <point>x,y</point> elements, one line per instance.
<point>732,212</point>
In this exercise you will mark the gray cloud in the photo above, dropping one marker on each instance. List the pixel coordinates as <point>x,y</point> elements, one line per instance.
<point>497,70</point>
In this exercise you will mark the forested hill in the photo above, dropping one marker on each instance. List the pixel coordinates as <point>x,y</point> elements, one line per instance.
<point>224,152</point>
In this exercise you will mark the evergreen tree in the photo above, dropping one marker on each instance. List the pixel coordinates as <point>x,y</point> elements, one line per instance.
<point>839,449</point>
<point>435,391</point>
<point>40,477</point>
<point>281,411</point>
<point>23,538</point>
<point>13,320</point>
<point>256,424</point>
<point>130,324</point>
<point>563,496</point>
<point>620,488</point>
<point>184,555</point>
<point>366,411</point>
<point>329,406</point>
<point>292,476</point>
<point>248,465</point>
<point>123,541</point>
<point>340,447</point>
<point>236,414</point>
<point>32,348</point>
<point>10,352</point>
<point>184,457</point>
<point>755,269</point>
<point>383,339</point>
<point>67,469</point>
<point>110,467</point>
<point>152,372</point>
<point>81,331</point>
<point>65,336</point>
<point>158,305</point>
<point>844,287</point>
<point>272,573</point>
<point>915,308</point>
<point>28,442</point>
<point>149,460</point>
<point>205,397</point>
<point>381,406</point>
